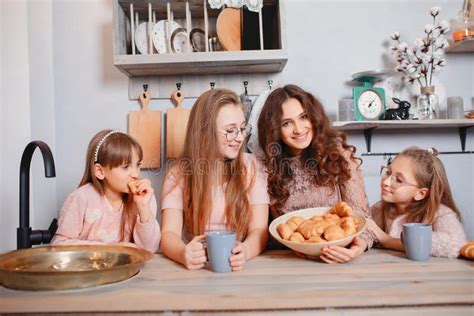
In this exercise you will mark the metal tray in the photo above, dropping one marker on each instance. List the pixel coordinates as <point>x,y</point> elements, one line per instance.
<point>69,267</point>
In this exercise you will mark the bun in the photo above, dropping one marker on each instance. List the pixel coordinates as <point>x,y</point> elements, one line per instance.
<point>333,232</point>
<point>342,209</point>
<point>297,237</point>
<point>285,231</point>
<point>133,186</point>
<point>467,250</point>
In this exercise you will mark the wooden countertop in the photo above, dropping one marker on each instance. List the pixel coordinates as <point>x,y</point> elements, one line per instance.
<point>276,280</point>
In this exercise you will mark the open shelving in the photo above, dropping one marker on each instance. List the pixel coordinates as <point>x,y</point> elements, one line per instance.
<point>369,126</point>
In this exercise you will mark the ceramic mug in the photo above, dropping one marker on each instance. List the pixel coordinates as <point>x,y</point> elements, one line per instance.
<point>346,110</point>
<point>455,108</point>
<point>219,250</point>
<point>416,238</point>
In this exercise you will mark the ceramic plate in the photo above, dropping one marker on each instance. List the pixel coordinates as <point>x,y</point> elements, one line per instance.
<point>142,39</point>
<point>178,41</point>
<point>197,37</point>
<point>159,35</point>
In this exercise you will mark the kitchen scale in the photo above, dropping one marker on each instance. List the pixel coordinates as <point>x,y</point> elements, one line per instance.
<point>369,101</point>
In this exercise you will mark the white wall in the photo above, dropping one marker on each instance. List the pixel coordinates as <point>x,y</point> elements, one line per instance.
<point>63,58</point>
<point>16,115</point>
<point>42,106</point>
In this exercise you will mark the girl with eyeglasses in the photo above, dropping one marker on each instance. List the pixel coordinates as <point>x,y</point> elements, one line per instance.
<point>214,186</point>
<point>309,163</point>
<point>415,189</point>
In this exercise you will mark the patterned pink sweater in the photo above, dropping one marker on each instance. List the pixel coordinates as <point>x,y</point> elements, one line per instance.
<point>448,233</point>
<point>304,194</point>
<point>87,218</point>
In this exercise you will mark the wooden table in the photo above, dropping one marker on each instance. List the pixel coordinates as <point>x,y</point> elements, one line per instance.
<point>379,281</point>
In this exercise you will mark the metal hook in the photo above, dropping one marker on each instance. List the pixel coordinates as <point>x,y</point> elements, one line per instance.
<point>145,87</point>
<point>270,84</point>
<point>212,84</point>
<point>389,161</point>
<point>178,86</point>
<point>246,83</point>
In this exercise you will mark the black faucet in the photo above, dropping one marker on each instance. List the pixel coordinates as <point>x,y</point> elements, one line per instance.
<point>25,236</point>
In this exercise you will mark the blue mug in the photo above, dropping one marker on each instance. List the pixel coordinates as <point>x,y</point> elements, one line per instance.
<point>219,250</point>
<point>416,238</point>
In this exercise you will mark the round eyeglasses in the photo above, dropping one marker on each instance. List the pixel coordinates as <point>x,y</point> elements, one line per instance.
<point>232,133</point>
<point>395,182</point>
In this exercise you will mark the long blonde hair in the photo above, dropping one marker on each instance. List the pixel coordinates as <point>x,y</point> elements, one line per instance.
<point>198,165</point>
<point>115,150</point>
<point>430,174</point>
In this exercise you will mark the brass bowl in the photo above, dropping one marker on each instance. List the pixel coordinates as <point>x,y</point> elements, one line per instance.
<point>69,267</point>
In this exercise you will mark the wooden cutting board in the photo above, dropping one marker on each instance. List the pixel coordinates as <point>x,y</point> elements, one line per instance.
<point>145,127</point>
<point>228,28</point>
<point>176,126</point>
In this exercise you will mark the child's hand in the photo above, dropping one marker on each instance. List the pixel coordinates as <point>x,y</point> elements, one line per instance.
<point>239,257</point>
<point>379,233</point>
<point>337,254</point>
<point>142,197</point>
<point>194,253</point>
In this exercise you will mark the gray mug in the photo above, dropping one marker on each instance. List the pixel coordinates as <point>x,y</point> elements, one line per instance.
<point>416,238</point>
<point>219,250</point>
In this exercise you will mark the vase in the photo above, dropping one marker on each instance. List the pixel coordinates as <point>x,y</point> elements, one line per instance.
<point>427,104</point>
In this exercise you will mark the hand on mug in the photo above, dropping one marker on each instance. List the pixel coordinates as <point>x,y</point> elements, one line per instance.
<point>239,257</point>
<point>194,253</point>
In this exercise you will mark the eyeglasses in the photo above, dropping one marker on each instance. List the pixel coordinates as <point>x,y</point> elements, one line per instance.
<point>395,182</point>
<point>232,133</point>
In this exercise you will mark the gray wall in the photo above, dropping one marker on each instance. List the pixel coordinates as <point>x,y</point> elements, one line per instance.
<point>59,84</point>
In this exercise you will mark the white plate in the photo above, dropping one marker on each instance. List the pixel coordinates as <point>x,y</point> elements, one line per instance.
<point>142,38</point>
<point>179,40</point>
<point>159,35</point>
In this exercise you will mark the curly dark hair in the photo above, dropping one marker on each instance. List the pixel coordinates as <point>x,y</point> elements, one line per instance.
<point>323,158</point>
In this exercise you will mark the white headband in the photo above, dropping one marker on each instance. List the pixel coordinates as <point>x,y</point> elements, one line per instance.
<point>96,153</point>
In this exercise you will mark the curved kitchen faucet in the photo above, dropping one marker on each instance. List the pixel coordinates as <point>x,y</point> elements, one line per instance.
<point>25,236</point>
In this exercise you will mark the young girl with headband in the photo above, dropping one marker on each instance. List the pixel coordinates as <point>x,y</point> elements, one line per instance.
<point>415,189</point>
<point>112,205</point>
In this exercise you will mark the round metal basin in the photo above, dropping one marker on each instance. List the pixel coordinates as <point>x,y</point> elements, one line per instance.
<point>69,267</point>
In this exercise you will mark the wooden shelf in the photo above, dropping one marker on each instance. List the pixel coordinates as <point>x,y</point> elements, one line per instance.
<point>369,126</point>
<point>252,61</point>
<point>464,46</point>
<point>270,60</point>
<point>356,125</point>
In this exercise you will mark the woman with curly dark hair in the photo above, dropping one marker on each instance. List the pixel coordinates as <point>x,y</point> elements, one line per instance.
<point>309,163</point>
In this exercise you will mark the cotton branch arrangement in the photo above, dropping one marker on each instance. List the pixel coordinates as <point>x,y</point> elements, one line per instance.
<point>426,57</point>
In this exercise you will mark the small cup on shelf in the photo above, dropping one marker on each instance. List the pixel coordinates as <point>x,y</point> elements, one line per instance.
<point>346,110</point>
<point>455,107</point>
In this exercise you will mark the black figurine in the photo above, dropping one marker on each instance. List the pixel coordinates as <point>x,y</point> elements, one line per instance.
<point>400,113</point>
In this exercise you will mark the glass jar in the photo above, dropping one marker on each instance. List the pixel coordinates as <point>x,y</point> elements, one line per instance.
<point>463,27</point>
<point>427,104</point>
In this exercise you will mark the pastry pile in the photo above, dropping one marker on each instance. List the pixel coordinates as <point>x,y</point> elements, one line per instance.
<point>338,223</point>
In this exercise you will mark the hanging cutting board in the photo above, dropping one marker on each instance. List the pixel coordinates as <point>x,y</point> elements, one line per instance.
<point>145,127</point>
<point>176,126</point>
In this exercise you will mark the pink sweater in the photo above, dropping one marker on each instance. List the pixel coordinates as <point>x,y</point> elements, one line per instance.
<point>448,233</point>
<point>304,194</point>
<point>87,218</point>
<point>172,195</point>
